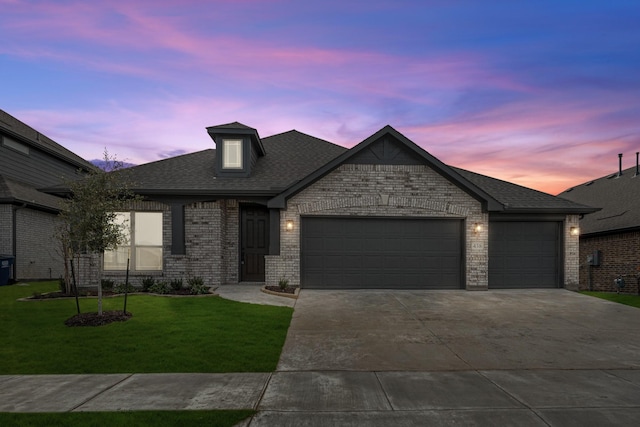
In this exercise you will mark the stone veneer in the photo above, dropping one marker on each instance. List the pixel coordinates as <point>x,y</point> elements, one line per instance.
<point>382,190</point>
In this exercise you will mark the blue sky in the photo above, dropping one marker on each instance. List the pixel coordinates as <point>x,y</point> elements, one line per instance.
<point>541,93</point>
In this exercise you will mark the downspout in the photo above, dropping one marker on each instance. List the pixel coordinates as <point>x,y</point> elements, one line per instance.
<point>14,243</point>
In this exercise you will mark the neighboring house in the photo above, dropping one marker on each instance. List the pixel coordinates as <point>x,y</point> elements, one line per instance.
<point>383,214</point>
<point>610,237</point>
<point>30,161</point>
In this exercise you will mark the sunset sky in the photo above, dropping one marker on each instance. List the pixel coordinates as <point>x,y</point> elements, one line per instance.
<point>540,93</point>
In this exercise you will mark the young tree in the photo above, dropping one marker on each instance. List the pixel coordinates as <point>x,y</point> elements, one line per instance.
<point>88,216</point>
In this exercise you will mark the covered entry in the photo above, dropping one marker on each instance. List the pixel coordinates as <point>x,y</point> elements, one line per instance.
<point>363,252</point>
<point>525,254</point>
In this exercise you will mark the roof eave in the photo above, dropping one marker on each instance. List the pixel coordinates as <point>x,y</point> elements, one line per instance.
<point>566,211</point>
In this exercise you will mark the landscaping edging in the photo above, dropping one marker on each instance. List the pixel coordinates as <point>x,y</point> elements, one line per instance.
<point>280,294</point>
<point>210,294</point>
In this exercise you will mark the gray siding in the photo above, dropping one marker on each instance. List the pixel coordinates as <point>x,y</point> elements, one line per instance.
<point>38,168</point>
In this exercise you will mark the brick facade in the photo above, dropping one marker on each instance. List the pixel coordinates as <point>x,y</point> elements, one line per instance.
<point>571,253</point>
<point>382,190</point>
<point>38,254</point>
<point>6,230</point>
<point>619,259</point>
<point>211,246</point>
<point>212,228</point>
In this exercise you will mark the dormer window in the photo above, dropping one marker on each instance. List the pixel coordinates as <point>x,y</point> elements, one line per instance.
<point>232,154</point>
<point>238,148</point>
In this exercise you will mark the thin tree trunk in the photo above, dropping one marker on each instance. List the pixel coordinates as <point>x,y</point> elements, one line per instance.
<point>100,286</point>
<point>126,289</point>
<point>75,286</point>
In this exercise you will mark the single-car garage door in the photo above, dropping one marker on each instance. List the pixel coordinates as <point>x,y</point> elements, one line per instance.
<point>524,254</point>
<point>383,253</point>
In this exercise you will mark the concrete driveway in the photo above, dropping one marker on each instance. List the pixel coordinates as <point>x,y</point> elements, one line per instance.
<point>459,330</point>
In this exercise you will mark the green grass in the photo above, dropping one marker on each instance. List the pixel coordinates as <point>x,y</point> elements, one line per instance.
<point>195,334</point>
<point>138,419</point>
<point>632,300</point>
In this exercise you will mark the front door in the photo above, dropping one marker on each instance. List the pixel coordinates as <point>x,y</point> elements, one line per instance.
<point>254,242</point>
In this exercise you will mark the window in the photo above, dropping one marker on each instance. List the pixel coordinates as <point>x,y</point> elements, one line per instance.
<point>143,246</point>
<point>232,154</point>
<point>15,145</point>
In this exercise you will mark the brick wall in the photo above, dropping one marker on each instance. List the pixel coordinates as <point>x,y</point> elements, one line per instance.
<point>382,190</point>
<point>620,257</point>
<point>571,253</point>
<point>37,250</point>
<point>6,230</point>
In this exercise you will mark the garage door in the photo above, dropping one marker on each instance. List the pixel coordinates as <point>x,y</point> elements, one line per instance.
<point>384,253</point>
<point>524,254</point>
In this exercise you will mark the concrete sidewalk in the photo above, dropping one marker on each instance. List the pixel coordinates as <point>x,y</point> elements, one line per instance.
<point>329,398</point>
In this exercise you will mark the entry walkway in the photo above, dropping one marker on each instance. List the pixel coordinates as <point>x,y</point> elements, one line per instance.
<point>378,358</point>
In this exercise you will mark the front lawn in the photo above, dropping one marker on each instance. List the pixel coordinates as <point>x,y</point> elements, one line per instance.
<point>138,419</point>
<point>632,300</point>
<point>165,334</point>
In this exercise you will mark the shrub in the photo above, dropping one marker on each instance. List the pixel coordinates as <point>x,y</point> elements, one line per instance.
<point>147,283</point>
<point>107,284</point>
<point>283,283</point>
<point>197,286</point>
<point>120,288</point>
<point>176,284</point>
<point>62,285</point>
<point>160,288</point>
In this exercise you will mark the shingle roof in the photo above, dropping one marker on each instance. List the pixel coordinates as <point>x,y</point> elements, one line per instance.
<point>516,198</point>
<point>619,198</point>
<point>16,128</point>
<point>15,192</point>
<point>290,156</point>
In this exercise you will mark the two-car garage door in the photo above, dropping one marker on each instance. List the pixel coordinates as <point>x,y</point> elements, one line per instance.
<point>401,253</point>
<point>416,253</point>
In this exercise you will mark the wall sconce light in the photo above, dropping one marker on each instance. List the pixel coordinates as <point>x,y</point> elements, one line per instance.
<point>477,228</point>
<point>574,231</point>
<point>288,225</point>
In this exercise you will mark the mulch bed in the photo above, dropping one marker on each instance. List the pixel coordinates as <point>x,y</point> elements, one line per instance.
<point>288,290</point>
<point>94,319</point>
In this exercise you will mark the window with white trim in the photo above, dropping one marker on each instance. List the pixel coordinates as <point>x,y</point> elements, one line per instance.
<point>232,154</point>
<point>143,246</point>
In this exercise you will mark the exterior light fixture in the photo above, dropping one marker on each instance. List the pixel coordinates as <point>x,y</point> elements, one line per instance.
<point>574,231</point>
<point>477,228</point>
<point>289,225</point>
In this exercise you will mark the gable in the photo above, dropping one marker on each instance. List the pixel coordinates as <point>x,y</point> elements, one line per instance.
<point>386,150</point>
<point>389,147</point>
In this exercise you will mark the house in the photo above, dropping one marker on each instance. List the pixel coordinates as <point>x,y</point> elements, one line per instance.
<point>30,161</point>
<point>610,237</point>
<point>383,214</point>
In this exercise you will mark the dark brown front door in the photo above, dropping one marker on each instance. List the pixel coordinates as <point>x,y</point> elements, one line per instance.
<point>254,242</point>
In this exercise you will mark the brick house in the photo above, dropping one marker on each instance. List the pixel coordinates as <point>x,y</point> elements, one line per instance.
<point>30,161</point>
<point>383,214</point>
<point>610,237</point>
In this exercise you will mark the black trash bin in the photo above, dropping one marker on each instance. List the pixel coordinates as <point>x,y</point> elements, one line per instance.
<point>6,261</point>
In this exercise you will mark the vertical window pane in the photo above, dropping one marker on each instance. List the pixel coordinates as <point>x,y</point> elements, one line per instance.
<point>148,229</point>
<point>124,220</point>
<point>232,153</point>
<point>116,259</point>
